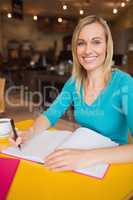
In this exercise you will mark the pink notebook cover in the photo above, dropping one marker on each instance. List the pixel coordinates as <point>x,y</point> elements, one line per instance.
<point>8,167</point>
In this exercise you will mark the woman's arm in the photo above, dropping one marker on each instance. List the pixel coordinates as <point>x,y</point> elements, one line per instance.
<point>71,159</point>
<point>56,110</point>
<point>40,124</point>
<point>51,115</point>
<point>119,154</point>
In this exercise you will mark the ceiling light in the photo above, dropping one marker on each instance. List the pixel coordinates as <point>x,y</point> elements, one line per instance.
<point>9,15</point>
<point>35,17</point>
<point>123,4</point>
<point>81,12</point>
<point>64,7</point>
<point>60,19</point>
<point>127,0</point>
<point>115,11</point>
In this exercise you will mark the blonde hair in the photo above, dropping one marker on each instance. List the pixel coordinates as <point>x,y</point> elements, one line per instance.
<point>79,73</point>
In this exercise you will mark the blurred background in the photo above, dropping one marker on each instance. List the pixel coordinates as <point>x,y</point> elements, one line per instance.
<point>35,46</point>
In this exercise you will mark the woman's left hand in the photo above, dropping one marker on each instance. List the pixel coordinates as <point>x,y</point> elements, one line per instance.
<point>69,159</point>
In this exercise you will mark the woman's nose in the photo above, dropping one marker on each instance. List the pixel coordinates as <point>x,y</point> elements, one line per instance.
<point>88,48</point>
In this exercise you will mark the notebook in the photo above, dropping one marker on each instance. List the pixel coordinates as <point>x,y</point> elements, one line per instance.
<point>8,167</point>
<point>41,145</point>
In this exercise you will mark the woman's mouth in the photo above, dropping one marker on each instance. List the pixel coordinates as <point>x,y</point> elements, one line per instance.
<point>89,59</point>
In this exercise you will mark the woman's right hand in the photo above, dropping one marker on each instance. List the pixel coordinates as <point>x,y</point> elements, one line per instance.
<point>23,136</point>
<point>39,125</point>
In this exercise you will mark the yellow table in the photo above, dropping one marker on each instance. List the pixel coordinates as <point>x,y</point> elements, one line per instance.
<point>33,181</point>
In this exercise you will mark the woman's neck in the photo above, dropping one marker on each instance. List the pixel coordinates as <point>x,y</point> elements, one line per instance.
<point>96,78</point>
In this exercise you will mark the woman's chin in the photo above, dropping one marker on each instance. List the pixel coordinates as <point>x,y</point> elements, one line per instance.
<point>90,68</point>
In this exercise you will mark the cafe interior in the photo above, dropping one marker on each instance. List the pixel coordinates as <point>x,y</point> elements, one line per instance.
<point>35,50</point>
<point>35,62</point>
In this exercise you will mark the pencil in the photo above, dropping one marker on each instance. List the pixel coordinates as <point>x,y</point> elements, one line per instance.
<point>15,132</point>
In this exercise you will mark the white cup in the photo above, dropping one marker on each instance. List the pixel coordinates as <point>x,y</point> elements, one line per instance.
<point>5,127</point>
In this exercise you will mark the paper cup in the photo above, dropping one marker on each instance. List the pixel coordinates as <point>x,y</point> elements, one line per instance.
<point>5,127</point>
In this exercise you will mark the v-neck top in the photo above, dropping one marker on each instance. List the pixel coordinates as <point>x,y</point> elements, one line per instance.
<point>97,98</point>
<point>110,114</point>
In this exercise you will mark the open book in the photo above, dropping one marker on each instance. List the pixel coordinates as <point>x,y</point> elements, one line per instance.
<point>41,145</point>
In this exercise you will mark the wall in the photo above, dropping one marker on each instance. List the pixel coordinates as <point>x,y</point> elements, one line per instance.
<point>125,20</point>
<point>122,31</point>
<point>122,38</point>
<point>27,30</point>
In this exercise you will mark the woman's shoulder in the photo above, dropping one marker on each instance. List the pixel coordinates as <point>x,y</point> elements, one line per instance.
<point>70,83</point>
<point>122,77</point>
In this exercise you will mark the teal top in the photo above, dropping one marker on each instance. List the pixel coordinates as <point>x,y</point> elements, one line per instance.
<point>111,114</point>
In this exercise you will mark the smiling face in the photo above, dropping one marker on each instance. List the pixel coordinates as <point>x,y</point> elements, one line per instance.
<point>91,46</point>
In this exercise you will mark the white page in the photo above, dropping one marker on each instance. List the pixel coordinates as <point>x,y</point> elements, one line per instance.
<point>84,138</point>
<point>38,147</point>
<point>45,143</point>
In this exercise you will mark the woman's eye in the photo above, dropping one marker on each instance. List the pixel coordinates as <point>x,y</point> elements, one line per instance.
<point>96,42</point>
<point>80,43</point>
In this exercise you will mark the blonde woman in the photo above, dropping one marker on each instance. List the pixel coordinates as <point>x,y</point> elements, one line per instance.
<point>102,99</point>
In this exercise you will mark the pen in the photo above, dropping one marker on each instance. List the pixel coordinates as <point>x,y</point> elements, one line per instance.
<point>14,132</point>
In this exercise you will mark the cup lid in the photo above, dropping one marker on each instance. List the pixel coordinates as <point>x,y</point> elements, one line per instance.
<point>4,120</point>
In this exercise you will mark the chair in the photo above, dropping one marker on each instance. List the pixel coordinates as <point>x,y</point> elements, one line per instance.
<point>2,90</point>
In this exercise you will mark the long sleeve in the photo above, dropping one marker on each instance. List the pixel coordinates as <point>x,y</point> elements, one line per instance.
<point>127,101</point>
<point>60,104</point>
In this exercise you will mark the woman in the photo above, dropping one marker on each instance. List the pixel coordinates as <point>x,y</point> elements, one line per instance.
<point>102,99</point>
